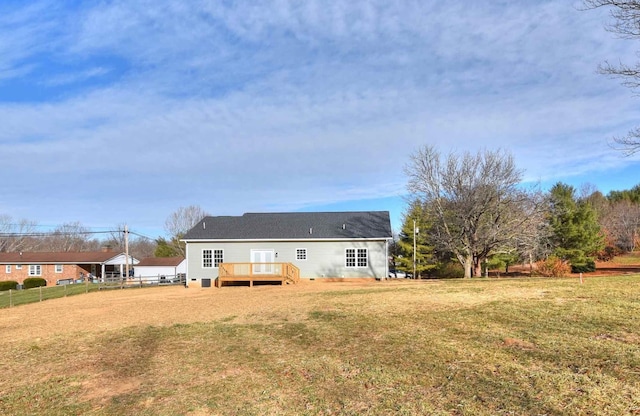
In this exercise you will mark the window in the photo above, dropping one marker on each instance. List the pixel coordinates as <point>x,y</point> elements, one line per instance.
<point>58,268</point>
<point>207,259</point>
<point>362,257</point>
<point>35,270</point>
<point>356,257</point>
<point>7,268</point>
<point>218,257</point>
<point>18,266</point>
<point>301,254</point>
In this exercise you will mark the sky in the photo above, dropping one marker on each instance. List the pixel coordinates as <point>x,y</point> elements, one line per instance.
<point>117,112</point>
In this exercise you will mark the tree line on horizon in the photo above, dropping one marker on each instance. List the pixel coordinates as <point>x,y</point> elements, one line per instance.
<point>472,213</point>
<point>23,235</point>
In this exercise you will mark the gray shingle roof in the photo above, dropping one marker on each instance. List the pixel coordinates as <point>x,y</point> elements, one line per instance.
<point>294,225</point>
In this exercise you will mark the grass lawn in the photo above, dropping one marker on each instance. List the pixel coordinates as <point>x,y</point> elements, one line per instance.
<point>22,297</point>
<point>628,258</point>
<point>462,347</point>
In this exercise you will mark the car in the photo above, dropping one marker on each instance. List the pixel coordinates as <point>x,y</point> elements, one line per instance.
<point>398,274</point>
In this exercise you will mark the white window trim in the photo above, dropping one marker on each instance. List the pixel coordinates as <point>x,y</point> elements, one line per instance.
<point>59,268</point>
<point>210,258</point>
<point>355,258</point>
<point>35,270</point>
<point>18,266</point>
<point>7,269</point>
<point>306,254</point>
<point>213,257</point>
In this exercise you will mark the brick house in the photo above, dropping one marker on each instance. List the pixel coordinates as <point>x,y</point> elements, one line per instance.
<point>64,267</point>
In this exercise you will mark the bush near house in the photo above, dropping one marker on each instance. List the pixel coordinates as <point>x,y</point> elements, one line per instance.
<point>552,267</point>
<point>32,282</point>
<point>8,285</point>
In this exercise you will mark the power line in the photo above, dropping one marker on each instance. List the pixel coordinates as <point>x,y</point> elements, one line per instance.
<point>141,235</point>
<point>59,233</point>
<point>53,233</point>
<point>71,233</point>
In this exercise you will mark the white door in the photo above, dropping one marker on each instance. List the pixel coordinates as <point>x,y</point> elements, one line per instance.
<point>262,256</point>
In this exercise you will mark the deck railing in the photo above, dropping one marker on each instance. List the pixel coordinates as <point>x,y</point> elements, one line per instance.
<point>251,272</point>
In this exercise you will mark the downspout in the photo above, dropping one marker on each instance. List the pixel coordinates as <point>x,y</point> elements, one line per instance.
<point>186,269</point>
<point>386,259</point>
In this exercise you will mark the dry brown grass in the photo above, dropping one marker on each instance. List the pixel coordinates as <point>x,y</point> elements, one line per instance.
<point>527,346</point>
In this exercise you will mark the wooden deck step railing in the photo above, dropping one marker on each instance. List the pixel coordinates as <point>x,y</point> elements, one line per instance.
<point>257,272</point>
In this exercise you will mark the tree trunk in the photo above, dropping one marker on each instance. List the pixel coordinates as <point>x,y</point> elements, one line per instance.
<point>468,267</point>
<point>477,267</point>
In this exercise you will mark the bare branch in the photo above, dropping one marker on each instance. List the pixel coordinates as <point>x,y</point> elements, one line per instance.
<point>473,200</point>
<point>181,221</point>
<point>626,23</point>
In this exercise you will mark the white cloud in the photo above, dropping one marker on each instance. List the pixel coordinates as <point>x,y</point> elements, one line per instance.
<point>248,106</point>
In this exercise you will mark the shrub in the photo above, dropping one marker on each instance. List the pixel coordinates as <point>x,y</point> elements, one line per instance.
<point>448,270</point>
<point>585,266</point>
<point>551,267</point>
<point>8,285</point>
<point>609,252</point>
<point>32,282</point>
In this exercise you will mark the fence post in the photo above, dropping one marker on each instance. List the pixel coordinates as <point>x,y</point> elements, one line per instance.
<point>10,299</point>
<point>65,291</point>
<point>40,287</point>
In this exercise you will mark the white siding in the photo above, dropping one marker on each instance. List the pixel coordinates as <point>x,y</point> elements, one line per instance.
<point>154,271</point>
<point>325,259</point>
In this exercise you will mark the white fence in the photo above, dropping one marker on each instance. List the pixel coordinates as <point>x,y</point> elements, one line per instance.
<point>157,280</point>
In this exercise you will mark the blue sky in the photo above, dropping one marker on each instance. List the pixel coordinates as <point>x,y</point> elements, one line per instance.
<point>122,111</point>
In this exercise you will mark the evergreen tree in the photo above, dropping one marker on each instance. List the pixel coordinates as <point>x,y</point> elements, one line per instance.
<point>575,233</point>
<point>166,249</point>
<point>425,259</point>
<point>632,195</point>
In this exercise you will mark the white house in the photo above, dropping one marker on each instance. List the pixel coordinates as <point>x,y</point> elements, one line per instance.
<point>319,245</point>
<point>158,269</point>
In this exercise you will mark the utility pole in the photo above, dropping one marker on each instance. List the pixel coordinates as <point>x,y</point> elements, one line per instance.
<point>126,252</point>
<point>415,231</point>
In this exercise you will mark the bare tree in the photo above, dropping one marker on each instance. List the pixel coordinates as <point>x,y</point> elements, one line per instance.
<point>626,23</point>
<point>141,248</point>
<point>181,221</point>
<point>622,223</point>
<point>473,200</point>
<point>72,236</point>
<point>17,235</point>
<point>116,238</point>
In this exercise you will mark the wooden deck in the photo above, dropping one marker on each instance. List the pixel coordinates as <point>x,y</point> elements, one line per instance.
<point>284,273</point>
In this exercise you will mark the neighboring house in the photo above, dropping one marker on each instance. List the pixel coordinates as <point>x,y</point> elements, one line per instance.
<point>63,267</point>
<point>322,245</point>
<point>161,268</point>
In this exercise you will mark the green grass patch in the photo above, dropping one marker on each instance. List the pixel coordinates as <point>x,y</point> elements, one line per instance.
<point>628,258</point>
<point>474,347</point>
<point>25,296</point>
